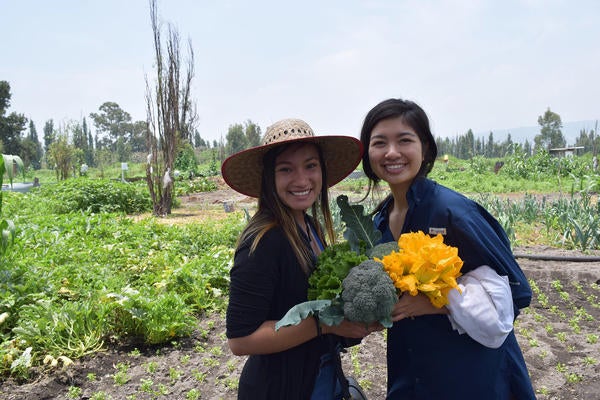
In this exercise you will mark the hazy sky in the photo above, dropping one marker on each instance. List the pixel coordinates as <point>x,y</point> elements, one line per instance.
<point>481,65</point>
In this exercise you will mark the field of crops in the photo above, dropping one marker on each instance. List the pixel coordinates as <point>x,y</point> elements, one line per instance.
<point>85,285</point>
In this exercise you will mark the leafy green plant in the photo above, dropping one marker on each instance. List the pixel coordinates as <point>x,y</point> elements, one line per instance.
<point>195,185</point>
<point>192,394</point>
<point>335,262</point>
<point>70,329</point>
<point>120,377</point>
<point>9,164</point>
<point>590,360</point>
<point>574,377</point>
<point>101,395</point>
<point>141,313</point>
<point>174,374</point>
<point>74,392</point>
<point>7,227</point>
<point>95,195</point>
<point>88,278</point>
<point>186,161</point>
<point>146,385</point>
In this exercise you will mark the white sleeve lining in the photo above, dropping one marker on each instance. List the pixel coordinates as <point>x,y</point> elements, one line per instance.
<point>484,310</point>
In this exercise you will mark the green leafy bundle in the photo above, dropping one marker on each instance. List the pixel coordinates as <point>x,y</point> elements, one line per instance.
<point>333,265</point>
<point>335,261</point>
<point>333,276</point>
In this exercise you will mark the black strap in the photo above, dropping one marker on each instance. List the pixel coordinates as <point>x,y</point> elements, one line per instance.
<point>336,350</point>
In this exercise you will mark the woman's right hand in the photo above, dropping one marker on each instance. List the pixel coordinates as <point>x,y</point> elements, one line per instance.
<point>409,306</point>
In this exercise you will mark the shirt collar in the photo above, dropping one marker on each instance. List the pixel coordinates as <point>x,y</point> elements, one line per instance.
<point>418,191</point>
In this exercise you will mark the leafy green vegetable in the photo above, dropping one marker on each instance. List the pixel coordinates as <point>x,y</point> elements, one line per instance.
<point>382,249</point>
<point>332,267</point>
<point>360,231</point>
<point>369,294</point>
<point>304,310</point>
<point>325,292</point>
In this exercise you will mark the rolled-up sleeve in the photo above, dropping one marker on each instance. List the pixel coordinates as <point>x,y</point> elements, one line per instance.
<point>484,308</point>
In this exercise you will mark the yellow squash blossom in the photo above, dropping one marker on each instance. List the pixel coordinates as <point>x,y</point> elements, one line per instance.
<point>424,264</point>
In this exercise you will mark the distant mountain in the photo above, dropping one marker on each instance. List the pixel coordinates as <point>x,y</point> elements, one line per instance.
<point>570,131</point>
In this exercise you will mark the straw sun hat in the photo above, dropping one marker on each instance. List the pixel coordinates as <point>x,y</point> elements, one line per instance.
<point>243,171</point>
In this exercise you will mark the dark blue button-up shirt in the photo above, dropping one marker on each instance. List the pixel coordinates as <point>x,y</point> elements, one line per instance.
<point>427,359</point>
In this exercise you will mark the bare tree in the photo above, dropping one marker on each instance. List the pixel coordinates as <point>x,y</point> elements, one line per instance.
<point>170,114</point>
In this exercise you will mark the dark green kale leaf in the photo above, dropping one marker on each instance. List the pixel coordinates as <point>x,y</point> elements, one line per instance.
<point>360,231</point>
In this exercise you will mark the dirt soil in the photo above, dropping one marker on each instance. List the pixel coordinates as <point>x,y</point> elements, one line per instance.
<point>559,335</point>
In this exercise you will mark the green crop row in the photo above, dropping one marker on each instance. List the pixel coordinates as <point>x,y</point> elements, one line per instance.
<point>72,282</point>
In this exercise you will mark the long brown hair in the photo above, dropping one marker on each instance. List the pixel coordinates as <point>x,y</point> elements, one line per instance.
<point>272,212</point>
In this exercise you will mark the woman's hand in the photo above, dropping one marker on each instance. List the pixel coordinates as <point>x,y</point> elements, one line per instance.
<point>413,306</point>
<point>349,329</point>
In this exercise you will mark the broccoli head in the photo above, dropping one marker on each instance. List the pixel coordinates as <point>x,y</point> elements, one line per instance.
<point>382,249</point>
<point>369,294</point>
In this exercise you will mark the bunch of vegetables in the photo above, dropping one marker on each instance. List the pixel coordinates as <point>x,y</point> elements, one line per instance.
<point>360,280</point>
<point>348,282</point>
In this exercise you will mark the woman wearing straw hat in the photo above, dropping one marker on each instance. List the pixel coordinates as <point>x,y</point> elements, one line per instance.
<point>289,173</point>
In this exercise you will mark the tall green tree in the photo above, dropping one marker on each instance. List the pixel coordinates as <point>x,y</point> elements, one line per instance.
<point>80,140</point>
<point>79,136</point>
<point>62,155</point>
<point>11,130</point>
<point>4,97</point>
<point>139,133</point>
<point>49,134</point>
<point>31,149</point>
<point>91,161</point>
<point>199,142</point>
<point>527,148</point>
<point>112,123</point>
<point>253,134</point>
<point>33,131</point>
<point>550,132</point>
<point>87,144</point>
<point>236,139</point>
<point>505,146</point>
<point>12,125</point>
<point>589,140</point>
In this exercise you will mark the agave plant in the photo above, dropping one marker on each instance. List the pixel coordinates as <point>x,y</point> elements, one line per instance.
<point>7,227</point>
<point>8,162</point>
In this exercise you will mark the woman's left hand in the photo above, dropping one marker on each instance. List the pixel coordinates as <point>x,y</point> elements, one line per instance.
<point>355,330</point>
<point>413,306</point>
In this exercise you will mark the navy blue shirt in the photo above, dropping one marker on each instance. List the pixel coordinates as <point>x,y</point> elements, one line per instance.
<point>426,358</point>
